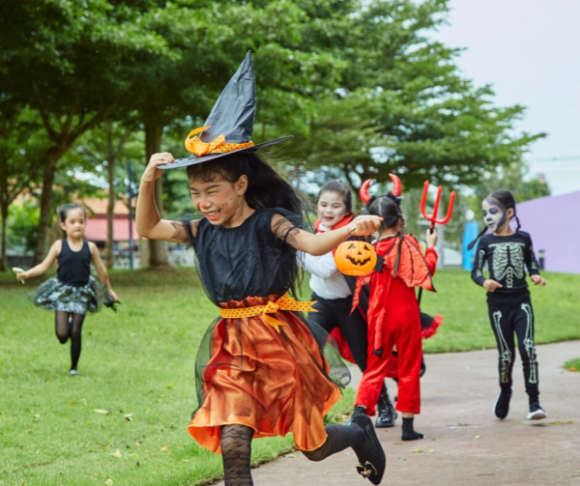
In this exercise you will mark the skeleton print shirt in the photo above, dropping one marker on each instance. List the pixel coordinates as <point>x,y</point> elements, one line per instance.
<point>505,257</point>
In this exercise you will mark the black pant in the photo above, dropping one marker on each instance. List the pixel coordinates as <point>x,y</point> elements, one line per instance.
<point>336,313</point>
<point>507,319</point>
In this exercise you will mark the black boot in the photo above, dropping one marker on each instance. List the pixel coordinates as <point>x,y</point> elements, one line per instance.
<point>387,413</point>
<point>502,406</point>
<point>370,453</point>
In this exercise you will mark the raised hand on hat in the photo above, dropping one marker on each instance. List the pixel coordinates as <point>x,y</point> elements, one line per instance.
<point>152,173</point>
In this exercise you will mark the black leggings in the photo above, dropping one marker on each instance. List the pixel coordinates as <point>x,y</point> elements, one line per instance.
<point>237,449</point>
<point>336,313</point>
<point>67,326</point>
<point>519,319</point>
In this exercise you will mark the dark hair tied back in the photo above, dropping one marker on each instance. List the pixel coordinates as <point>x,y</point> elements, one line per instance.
<point>388,208</point>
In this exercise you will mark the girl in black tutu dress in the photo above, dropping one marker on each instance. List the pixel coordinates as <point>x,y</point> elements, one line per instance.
<point>260,371</point>
<point>73,292</point>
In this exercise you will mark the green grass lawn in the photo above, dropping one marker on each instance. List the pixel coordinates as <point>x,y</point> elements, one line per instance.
<point>138,366</point>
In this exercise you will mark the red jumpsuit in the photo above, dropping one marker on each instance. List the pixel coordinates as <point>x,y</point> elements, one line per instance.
<point>394,320</point>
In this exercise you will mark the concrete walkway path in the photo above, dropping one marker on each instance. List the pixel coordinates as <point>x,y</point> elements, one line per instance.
<point>465,444</point>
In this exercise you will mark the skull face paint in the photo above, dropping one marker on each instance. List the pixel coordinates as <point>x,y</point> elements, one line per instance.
<point>494,215</point>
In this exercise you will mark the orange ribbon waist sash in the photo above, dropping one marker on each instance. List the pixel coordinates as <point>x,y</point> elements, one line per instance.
<point>284,303</point>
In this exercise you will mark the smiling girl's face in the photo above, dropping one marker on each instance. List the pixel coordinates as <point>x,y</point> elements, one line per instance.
<point>331,208</point>
<point>218,200</point>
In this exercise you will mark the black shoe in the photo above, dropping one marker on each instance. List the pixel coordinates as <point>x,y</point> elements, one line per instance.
<point>370,454</point>
<point>536,412</point>
<point>502,406</point>
<point>387,413</point>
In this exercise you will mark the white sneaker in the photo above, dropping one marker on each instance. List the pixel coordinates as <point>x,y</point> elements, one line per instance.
<point>536,412</point>
<point>73,373</point>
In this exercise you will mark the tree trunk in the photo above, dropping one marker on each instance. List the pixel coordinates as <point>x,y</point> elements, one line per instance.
<point>4,216</point>
<point>109,255</point>
<point>157,249</point>
<point>111,156</point>
<point>44,224</point>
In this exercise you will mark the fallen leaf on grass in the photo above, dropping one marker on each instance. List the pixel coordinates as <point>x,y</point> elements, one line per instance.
<point>421,451</point>
<point>117,453</point>
<point>164,449</point>
<point>109,482</point>
<point>129,417</point>
<point>137,444</point>
<point>101,411</point>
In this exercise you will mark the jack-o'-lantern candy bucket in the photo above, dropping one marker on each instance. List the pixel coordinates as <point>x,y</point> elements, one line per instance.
<point>355,258</point>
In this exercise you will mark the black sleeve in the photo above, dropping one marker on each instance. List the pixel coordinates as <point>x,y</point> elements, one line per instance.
<point>530,256</point>
<point>477,272</point>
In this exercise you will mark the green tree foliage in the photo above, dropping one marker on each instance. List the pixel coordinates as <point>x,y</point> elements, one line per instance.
<point>72,62</point>
<point>431,122</point>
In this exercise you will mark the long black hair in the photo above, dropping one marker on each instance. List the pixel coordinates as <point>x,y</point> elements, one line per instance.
<point>342,189</point>
<point>266,189</point>
<point>388,208</point>
<point>507,201</point>
<point>65,209</point>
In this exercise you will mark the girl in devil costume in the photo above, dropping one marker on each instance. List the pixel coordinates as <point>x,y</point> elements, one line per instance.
<point>394,316</point>
<point>260,371</point>
<point>510,308</point>
<point>333,291</point>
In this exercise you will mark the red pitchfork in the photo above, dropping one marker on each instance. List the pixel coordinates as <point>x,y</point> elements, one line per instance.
<point>433,218</point>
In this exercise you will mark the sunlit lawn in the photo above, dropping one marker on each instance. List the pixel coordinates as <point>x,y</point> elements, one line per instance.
<point>137,365</point>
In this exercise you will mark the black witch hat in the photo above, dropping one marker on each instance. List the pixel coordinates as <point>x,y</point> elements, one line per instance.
<point>228,128</point>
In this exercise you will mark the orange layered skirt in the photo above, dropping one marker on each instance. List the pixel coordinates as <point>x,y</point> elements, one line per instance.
<point>274,382</point>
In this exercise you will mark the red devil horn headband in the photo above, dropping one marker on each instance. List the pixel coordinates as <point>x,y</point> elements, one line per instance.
<point>364,192</point>
<point>367,198</point>
<point>397,186</point>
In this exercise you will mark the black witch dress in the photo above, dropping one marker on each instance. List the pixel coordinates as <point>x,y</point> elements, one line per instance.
<point>260,366</point>
<point>73,290</point>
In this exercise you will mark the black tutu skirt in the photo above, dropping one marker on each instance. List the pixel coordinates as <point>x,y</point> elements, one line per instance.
<point>54,295</point>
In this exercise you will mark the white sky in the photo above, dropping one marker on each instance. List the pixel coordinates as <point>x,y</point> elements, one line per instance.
<point>529,50</point>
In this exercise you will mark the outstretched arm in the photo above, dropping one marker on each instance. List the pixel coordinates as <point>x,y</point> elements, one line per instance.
<point>41,268</point>
<point>320,244</point>
<point>147,218</point>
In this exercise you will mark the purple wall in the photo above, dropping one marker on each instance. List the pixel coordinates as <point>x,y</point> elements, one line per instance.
<point>554,224</point>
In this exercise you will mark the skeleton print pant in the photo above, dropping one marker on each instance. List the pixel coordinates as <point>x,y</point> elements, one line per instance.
<point>519,319</point>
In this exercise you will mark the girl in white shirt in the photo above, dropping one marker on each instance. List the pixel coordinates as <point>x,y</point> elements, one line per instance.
<point>333,291</point>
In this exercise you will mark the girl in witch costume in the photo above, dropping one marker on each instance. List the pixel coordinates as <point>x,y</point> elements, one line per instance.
<point>508,253</point>
<point>333,291</point>
<point>73,292</point>
<point>393,314</point>
<point>259,369</point>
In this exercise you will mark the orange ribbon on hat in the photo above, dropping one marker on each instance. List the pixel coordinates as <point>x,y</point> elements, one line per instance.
<point>284,303</point>
<point>216,146</point>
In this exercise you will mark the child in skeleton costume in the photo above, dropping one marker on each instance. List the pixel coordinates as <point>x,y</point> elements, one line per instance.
<point>508,253</point>
<point>73,292</point>
<point>333,291</point>
<point>393,313</point>
<point>260,369</point>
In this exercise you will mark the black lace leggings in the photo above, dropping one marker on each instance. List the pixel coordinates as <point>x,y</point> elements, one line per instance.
<point>67,326</point>
<point>237,449</point>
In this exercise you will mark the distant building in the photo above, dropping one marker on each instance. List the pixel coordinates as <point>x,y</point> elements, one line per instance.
<point>97,229</point>
<point>554,224</point>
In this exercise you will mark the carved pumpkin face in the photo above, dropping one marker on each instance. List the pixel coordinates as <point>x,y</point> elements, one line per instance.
<point>355,258</point>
